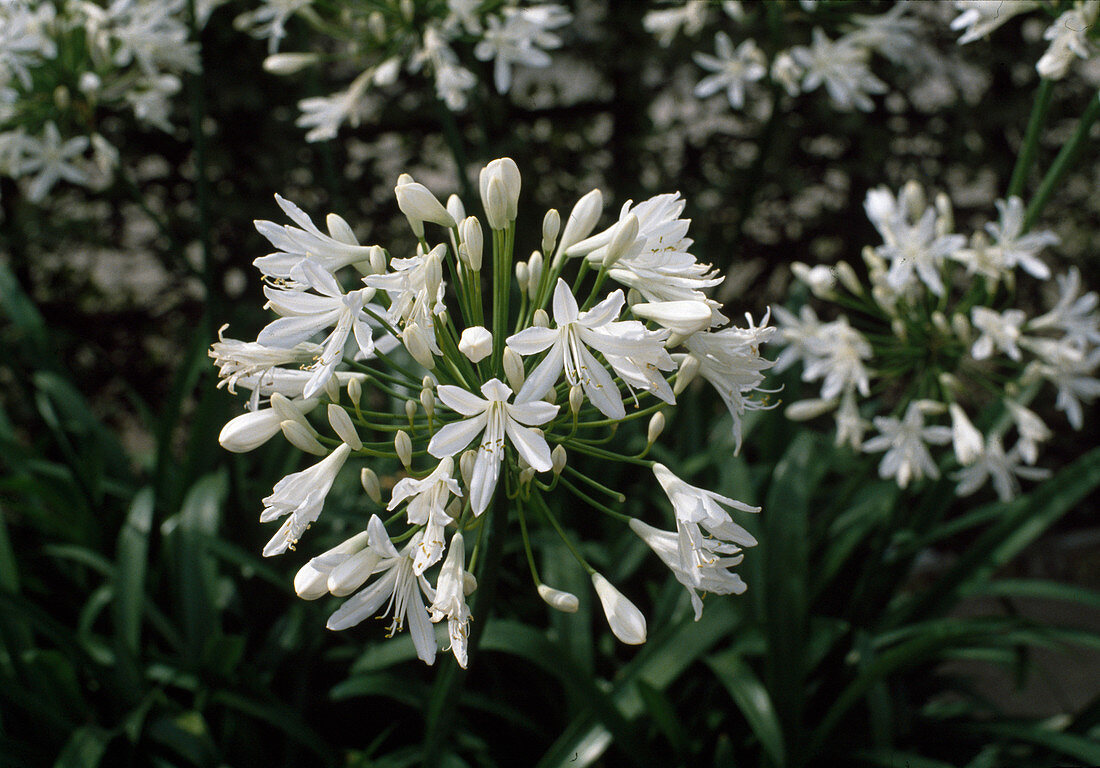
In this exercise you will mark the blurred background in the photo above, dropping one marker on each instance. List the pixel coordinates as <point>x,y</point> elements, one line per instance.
<point>139,625</point>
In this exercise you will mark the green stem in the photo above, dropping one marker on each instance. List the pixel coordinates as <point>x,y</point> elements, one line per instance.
<point>1062,162</point>
<point>1031,138</point>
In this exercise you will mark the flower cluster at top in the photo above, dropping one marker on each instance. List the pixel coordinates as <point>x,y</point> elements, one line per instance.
<point>379,40</point>
<point>842,64</point>
<point>482,374</point>
<point>937,343</point>
<point>1073,31</point>
<point>64,65</point>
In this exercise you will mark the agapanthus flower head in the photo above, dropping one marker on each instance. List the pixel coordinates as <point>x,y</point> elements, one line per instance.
<point>480,410</point>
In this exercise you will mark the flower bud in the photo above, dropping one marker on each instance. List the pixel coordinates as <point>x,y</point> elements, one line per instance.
<point>252,429</point>
<point>410,410</point>
<point>413,338</point>
<point>558,458</point>
<point>898,327</point>
<point>804,410</point>
<point>534,274</point>
<point>626,621</point>
<point>540,319</point>
<point>496,209</point>
<point>960,324</point>
<point>656,427</point>
<point>566,602</point>
<point>848,277</point>
<point>302,438</point>
<point>343,427</point>
<point>945,223</point>
<point>916,202</point>
<point>526,476</point>
<point>420,205</point>
<point>476,343</point>
<point>456,208</point>
<point>513,369</point>
<point>332,389</point>
<point>311,581</point>
<point>351,574</point>
<point>473,243</point>
<point>355,391</point>
<point>820,278</point>
<point>466,466</point>
<point>427,401</point>
<point>377,259</point>
<point>469,583</point>
<point>403,445</point>
<point>940,323</point>
<point>681,317</point>
<point>506,173</point>
<point>582,220</point>
<point>965,437</point>
<point>576,399</point>
<point>369,480</point>
<point>689,367</point>
<point>626,232</point>
<point>522,275</point>
<point>289,63</point>
<point>551,224</point>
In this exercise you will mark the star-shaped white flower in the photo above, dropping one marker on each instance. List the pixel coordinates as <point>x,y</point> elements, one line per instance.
<point>494,418</point>
<point>569,343</point>
<point>301,496</point>
<point>907,457</point>
<point>450,599</point>
<point>732,69</point>
<point>427,506</point>
<point>337,249</point>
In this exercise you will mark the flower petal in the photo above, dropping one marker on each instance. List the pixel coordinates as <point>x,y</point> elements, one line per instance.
<point>455,436</point>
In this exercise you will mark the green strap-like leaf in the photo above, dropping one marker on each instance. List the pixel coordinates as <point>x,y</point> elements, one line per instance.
<point>753,700</point>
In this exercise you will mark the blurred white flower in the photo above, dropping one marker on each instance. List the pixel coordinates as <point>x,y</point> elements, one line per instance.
<point>733,69</point>
<point>842,67</point>
<point>522,37</point>
<point>977,18</point>
<point>1000,467</point>
<point>904,440</point>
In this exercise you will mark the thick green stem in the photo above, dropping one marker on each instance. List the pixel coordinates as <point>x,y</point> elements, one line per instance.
<point>1062,162</point>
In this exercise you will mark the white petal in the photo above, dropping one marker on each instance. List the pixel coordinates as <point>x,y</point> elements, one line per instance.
<point>565,304</point>
<point>453,437</point>
<point>461,401</point>
<point>543,378</point>
<point>533,340</point>
<point>530,445</point>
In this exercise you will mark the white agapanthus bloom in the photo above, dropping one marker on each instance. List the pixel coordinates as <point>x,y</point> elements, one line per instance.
<point>427,502</point>
<point>396,584</point>
<point>994,464</point>
<point>300,497</point>
<point>732,69</point>
<point>268,22</point>
<point>666,23</point>
<point>999,330</point>
<point>977,18</point>
<point>522,37</point>
<point>1074,314</point>
<point>567,348</point>
<point>1069,37</point>
<point>842,68</point>
<point>836,356</point>
<point>906,442</point>
<point>450,600</point>
<point>912,241</point>
<point>50,160</point>
<point>1016,248</point>
<point>495,419</point>
<point>305,242</point>
<point>1069,368</point>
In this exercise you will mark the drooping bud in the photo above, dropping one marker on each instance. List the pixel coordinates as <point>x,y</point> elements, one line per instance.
<point>342,425</point>
<point>311,581</point>
<point>351,574</point>
<point>476,343</point>
<point>559,600</point>
<point>302,438</point>
<point>626,621</point>
<point>403,445</point>
<point>289,63</point>
<point>473,243</point>
<point>656,427</point>
<point>689,368</point>
<point>558,458</point>
<point>513,369</point>
<point>252,429</point>
<point>420,205</point>
<point>551,224</point>
<point>369,480</point>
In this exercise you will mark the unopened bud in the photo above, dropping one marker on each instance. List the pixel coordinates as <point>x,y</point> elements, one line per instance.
<point>848,277</point>
<point>410,410</point>
<point>804,410</point>
<point>403,445</point>
<point>945,223</point>
<point>377,259</point>
<point>689,367</point>
<point>656,427</point>
<point>289,63</point>
<point>343,426</point>
<point>914,196</point>
<point>427,402</point>
<point>940,323</point>
<point>369,480</point>
<point>466,466</point>
<point>505,172</point>
<point>496,209</point>
<point>469,583</point>
<point>526,476</point>
<point>898,327</point>
<point>413,339</point>
<point>302,438</point>
<point>534,273</point>
<point>625,235</point>
<point>456,208</point>
<point>476,343</point>
<point>513,369</point>
<point>551,396</point>
<point>288,411</point>
<point>626,621</point>
<point>352,573</point>
<point>521,276</point>
<point>540,319</point>
<point>960,324</point>
<point>355,391</point>
<point>566,602</point>
<point>558,457</point>
<point>473,242</point>
<point>576,399</point>
<point>332,389</point>
<point>419,205</point>
<point>376,22</point>
<point>582,220</point>
<point>551,225</point>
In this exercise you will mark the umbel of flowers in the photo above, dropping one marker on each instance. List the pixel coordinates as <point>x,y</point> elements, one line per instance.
<point>939,350</point>
<point>482,374</point>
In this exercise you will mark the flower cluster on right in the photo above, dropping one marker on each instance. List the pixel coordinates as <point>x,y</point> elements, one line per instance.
<point>941,347</point>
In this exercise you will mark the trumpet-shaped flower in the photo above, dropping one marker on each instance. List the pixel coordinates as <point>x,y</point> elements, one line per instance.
<point>450,599</point>
<point>494,418</point>
<point>300,497</point>
<point>339,248</point>
<point>569,343</point>
<point>398,584</point>
<point>427,502</point>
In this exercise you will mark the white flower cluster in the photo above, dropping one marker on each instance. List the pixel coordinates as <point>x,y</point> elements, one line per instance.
<point>416,37</point>
<point>127,55</point>
<point>1074,34</point>
<point>467,395</point>
<point>842,65</point>
<point>936,335</point>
